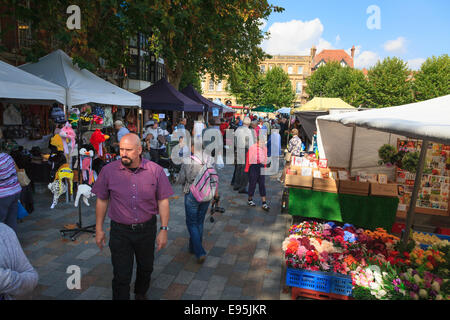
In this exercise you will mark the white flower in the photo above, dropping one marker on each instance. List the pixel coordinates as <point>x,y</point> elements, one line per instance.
<point>436,287</point>
<point>374,286</point>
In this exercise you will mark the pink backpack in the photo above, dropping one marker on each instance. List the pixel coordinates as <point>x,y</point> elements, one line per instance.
<point>205,184</point>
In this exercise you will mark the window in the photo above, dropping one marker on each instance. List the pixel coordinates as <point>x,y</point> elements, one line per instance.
<point>300,70</point>
<point>219,86</point>
<point>290,69</point>
<point>343,63</point>
<point>211,85</point>
<point>271,67</point>
<point>298,88</point>
<point>263,69</point>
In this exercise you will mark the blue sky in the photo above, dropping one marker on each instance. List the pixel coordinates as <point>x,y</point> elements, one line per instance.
<point>410,29</point>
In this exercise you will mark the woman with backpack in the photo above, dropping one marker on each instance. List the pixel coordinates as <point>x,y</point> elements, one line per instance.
<point>200,186</point>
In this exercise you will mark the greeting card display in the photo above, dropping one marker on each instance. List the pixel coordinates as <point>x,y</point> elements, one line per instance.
<point>434,187</point>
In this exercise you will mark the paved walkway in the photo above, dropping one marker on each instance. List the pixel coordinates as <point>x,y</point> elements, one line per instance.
<point>244,258</point>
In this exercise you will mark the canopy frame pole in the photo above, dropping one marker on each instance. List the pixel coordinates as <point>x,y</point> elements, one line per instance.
<point>140,122</point>
<point>350,165</point>
<point>413,201</point>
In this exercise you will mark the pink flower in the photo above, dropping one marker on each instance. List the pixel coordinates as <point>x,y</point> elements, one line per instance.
<point>301,251</point>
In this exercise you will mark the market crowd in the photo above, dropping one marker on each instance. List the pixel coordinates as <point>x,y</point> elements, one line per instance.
<point>136,188</point>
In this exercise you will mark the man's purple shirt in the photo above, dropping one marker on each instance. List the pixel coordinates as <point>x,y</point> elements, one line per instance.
<point>133,196</point>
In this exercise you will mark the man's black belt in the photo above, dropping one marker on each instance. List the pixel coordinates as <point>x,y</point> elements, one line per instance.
<point>136,226</point>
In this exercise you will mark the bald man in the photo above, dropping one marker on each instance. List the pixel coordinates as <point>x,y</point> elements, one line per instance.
<point>133,191</point>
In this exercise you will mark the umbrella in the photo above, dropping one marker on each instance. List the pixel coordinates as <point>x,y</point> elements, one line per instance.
<point>266,108</point>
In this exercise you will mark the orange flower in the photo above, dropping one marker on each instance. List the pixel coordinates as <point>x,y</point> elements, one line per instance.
<point>429,266</point>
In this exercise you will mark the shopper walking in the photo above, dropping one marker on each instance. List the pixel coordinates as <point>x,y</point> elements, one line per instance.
<point>17,275</point>
<point>256,160</point>
<point>9,191</point>
<point>244,139</point>
<point>134,190</point>
<point>195,211</point>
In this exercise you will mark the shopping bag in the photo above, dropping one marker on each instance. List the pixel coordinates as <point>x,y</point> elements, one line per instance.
<point>21,211</point>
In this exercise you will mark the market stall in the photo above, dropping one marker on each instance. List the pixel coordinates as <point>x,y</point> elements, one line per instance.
<point>210,108</point>
<point>307,114</point>
<point>162,97</point>
<point>88,92</point>
<point>361,136</point>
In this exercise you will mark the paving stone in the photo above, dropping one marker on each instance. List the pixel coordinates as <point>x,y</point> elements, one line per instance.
<point>88,253</point>
<point>92,293</point>
<point>173,268</point>
<point>163,281</point>
<point>175,291</point>
<point>228,259</point>
<point>231,293</point>
<point>211,261</point>
<point>204,273</point>
<point>184,277</point>
<point>197,287</point>
<point>217,251</point>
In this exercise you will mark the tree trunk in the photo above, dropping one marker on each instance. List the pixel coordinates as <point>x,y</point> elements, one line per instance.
<point>174,75</point>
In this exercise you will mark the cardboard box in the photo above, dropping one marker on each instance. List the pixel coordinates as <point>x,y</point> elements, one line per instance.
<point>298,181</point>
<point>326,185</point>
<point>382,189</point>
<point>354,187</point>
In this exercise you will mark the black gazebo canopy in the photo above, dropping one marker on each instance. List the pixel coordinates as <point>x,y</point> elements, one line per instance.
<point>164,97</point>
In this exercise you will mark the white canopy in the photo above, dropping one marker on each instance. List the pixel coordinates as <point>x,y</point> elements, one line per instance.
<point>22,87</point>
<point>82,85</point>
<point>429,120</point>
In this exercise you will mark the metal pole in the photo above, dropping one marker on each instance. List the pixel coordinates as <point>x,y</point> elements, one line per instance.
<point>351,151</point>
<point>417,182</point>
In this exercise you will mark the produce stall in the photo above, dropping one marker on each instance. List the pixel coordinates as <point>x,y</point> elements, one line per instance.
<point>316,191</point>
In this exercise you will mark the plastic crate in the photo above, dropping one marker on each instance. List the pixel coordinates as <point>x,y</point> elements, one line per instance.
<point>341,285</point>
<point>316,295</point>
<point>440,236</point>
<point>306,279</point>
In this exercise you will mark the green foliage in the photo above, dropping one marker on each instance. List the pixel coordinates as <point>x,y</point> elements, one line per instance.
<point>389,84</point>
<point>362,293</point>
<point>410,161</point>
<point>433,78</point>
<point>246,83</point>
<point>335,81</point>
<point>387,153</point>
<point>277,89</point>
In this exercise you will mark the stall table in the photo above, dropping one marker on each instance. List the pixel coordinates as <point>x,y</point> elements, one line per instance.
<point>363,211</point>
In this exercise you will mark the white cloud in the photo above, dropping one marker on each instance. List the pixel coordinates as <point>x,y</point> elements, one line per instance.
<point>365,59</point>
<point>415,64</point>
<point>396,46</point>
<point>295,37</point>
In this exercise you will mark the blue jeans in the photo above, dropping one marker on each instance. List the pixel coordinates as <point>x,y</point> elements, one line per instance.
<point>195,217</point>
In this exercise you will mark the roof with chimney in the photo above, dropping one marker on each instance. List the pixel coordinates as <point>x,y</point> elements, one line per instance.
<point>338,55</point>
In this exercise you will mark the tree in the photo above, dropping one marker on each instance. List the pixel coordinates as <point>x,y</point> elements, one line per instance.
<point>389,84</point>
<point>277,89</point>
<point>433,78</point>
<point>246,83</point>
<point>208,36</point>
<point>104,32</point>
<point>193,78</point>
<point>317,83</point>
<point>335,81</point>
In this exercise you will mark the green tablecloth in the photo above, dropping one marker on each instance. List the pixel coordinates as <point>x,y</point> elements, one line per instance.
<point>363,211</point>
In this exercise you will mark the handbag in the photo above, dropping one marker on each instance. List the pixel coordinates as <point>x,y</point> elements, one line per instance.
<point>287,157</point>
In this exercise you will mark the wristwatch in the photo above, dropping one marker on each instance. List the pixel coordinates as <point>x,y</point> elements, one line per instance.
<point>164,228</point>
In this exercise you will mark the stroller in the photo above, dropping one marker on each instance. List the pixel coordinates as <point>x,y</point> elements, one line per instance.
<point>166,162</point>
